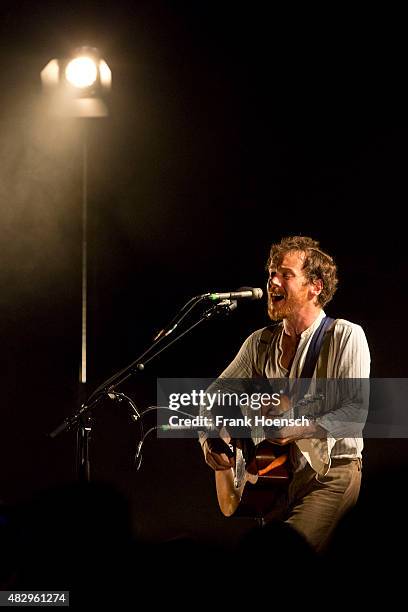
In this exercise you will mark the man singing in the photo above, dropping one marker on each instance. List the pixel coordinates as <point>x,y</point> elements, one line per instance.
<point>325,455</point>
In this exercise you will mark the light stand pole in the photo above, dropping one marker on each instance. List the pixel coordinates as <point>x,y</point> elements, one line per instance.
<point>85,425</point>
<point>84,258</point>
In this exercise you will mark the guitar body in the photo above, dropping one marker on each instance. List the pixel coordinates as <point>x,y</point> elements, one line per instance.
<point>256,490</point>
<point>265,480</point>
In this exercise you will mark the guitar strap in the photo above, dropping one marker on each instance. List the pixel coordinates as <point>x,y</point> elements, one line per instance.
<point>323,356</point>
<point>315,347</point>
<point>263,349</point>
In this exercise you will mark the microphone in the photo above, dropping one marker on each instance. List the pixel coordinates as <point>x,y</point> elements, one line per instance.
<point>252,293</point>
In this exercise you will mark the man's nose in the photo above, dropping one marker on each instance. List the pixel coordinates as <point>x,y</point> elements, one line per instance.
<point>274,281</point>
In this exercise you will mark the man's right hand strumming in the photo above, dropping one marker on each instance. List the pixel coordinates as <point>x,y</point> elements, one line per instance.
<point>217,454</point>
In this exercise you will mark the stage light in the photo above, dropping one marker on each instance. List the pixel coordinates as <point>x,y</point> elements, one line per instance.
<point>78,84</point>
<point>81,72</point>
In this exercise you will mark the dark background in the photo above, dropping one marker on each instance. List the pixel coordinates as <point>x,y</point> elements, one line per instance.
<point>231,125</point>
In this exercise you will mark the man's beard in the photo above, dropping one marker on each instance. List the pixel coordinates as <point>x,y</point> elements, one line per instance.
<point>283,309</point>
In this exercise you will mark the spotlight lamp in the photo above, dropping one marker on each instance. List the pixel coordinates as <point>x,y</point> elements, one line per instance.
<point>81,72</point>
<point>80,84</point>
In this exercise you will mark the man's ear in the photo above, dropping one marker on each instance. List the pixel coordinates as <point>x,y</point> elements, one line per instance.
<point>317,286</point>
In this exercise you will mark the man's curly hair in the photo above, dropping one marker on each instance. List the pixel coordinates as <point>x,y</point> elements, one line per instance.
<point>317,263</point>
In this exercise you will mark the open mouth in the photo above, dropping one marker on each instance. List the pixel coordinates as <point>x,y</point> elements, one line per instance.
<point>277,298</point>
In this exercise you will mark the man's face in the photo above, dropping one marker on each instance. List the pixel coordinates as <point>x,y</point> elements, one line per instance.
<point>288,288</point>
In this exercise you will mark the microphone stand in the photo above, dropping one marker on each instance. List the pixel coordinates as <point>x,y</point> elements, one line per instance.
<point>81,419</point>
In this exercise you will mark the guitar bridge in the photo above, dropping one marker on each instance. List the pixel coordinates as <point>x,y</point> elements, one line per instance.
<point>239,471</point>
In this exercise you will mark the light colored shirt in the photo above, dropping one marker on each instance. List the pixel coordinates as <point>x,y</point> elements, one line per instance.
<point>349,357</point>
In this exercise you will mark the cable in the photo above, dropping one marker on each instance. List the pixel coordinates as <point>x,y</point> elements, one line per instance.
<point>194,301</point>
<point>138,454</point>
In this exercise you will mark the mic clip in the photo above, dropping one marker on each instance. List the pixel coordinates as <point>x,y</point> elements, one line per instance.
<point>119,397</point>
<point>222,307</point>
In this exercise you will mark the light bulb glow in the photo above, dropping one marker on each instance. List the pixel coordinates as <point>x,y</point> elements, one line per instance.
<point>81,72</point>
